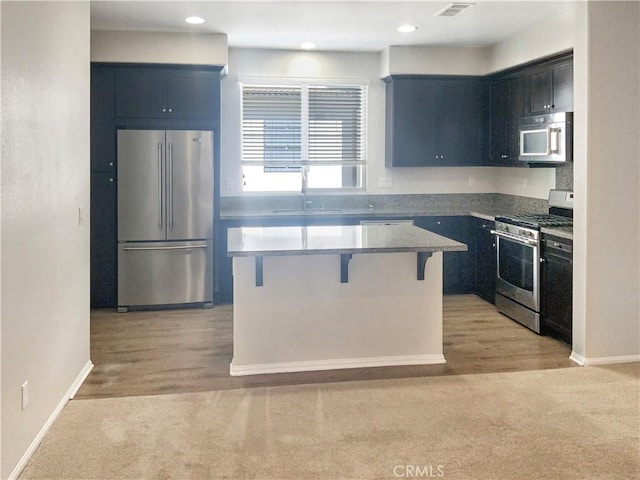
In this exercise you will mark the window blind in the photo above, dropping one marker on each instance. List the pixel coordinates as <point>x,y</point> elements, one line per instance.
<point>271,124</point>
<point>336,123</point>
<point>321,124</point>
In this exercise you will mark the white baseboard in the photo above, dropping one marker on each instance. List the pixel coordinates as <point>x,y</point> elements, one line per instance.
<point>334,364</point>
<point>577,358</point>
<point>73,389</point>
<point>586,362</point>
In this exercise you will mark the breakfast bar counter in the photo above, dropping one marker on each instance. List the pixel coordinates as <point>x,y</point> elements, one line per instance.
<point>327,297</point>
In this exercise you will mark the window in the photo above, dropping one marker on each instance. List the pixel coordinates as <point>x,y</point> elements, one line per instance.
<point>295,134</point>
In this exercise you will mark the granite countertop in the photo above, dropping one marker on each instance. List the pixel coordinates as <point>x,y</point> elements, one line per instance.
<point>381,212</point>
<point>562,232</point>
<point>334,239</point>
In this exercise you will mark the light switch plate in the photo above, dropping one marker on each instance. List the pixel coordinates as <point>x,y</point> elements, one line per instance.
<point>81,216</point>
<point>24,394</point>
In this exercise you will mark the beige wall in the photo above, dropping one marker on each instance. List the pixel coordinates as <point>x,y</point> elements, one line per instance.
<point>158,47</point>
<point>607,179</point>
<point>45,179</point>
<point>435,60</point>
<point>544,39</point>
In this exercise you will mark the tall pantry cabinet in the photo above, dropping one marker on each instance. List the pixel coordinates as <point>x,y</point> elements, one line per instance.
<point>125,96</point>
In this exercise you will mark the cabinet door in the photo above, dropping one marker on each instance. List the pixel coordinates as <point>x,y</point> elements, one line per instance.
<point>540,100</point>
<point>412,114</point>
<point>141,94</point>
<point>103,132</point>
<point>499,122</point>
<point>462,122</point>
<point>103,228</point>
<point>563,88</point>
<point>557,297</point>
<point>485,260</point>
<point>192,95</point>
<point>457,271</point>
<point>551,88</point>
<point>517,110</point>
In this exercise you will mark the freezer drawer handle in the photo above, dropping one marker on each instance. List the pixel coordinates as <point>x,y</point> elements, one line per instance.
<point>164,248</point>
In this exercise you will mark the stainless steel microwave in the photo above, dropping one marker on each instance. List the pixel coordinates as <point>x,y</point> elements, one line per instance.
<point>546,139</point>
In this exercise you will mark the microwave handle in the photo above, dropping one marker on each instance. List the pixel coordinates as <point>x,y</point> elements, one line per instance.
<point>554,144</point>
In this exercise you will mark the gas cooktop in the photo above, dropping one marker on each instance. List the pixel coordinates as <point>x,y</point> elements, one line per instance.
<point>536,220</point>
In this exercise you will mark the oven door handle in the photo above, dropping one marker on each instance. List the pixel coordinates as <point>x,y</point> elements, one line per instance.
<point>523,241</point>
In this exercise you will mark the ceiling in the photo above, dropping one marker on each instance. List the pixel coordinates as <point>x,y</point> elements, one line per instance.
<point>343,26</point>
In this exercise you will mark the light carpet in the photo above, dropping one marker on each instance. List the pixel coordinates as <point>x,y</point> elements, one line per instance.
<point>572,423</point>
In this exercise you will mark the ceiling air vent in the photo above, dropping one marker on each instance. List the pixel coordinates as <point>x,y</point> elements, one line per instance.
<point>453,9</point>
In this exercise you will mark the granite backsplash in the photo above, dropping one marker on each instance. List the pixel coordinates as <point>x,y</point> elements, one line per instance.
<point>564,176</point>
<point>427,204</point>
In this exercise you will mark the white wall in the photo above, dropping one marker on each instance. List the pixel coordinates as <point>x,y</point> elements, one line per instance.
<point>607,180</point>
<point>357,66</point>
<point>45,178</point>
<point>546,38</point>
<point>158,47</point>
<point>435,60</point>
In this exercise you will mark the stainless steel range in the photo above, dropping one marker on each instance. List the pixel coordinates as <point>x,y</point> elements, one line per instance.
<point>518,258</point>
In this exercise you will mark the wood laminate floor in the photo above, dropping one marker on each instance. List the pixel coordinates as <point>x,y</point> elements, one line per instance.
<point>177,351</point>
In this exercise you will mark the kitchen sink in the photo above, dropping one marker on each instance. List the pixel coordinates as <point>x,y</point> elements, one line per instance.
<point>311,211</point>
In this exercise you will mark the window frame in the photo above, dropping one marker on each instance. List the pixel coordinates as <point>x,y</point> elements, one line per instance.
<point>304,84</point>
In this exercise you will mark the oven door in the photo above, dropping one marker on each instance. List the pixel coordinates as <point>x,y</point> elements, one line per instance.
<point>518,270</point>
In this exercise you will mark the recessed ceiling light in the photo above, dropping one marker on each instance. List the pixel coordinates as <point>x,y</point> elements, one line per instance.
<point>194,20</point>
<point>307,45</point>
<point>407,28</point>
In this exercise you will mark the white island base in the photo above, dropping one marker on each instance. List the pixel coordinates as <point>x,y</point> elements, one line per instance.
<point>303,318</point>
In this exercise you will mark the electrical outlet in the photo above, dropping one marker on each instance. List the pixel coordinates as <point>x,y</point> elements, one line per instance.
<point>81,216</point>
<point>472,181</point>
<point>24,391</point>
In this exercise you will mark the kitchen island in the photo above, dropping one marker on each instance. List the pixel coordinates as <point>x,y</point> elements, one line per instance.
<point>328,297</point>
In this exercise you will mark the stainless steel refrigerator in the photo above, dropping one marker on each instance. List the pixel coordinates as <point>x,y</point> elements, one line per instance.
<point>165,218</point>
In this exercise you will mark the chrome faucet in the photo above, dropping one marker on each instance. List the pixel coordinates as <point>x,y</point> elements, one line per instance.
<point>305,180</point>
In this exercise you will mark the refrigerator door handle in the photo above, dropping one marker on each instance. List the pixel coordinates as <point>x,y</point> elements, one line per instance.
<point>160,185</point>
<point>170,183</point>
<point>184,247</point>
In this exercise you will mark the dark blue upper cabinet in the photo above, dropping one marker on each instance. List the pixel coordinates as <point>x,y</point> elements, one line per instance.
<point>141,94</point>
<point>103,132</point>
<point>435,121</point>
<point>507,104</point>
<point>163,93</point>
<point>551,87</point>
